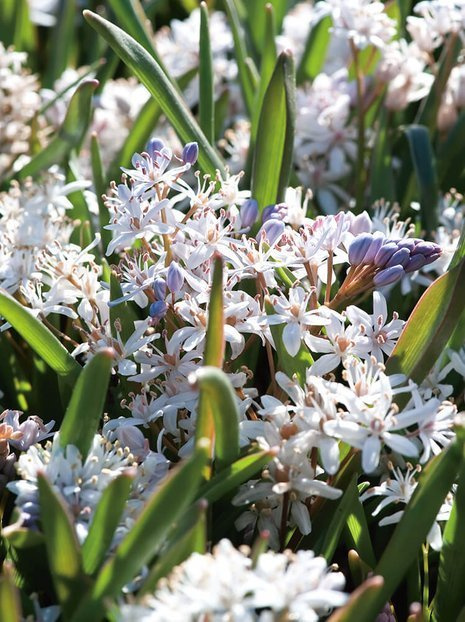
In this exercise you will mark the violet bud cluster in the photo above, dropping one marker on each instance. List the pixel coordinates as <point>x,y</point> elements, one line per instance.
<point>391,258</point>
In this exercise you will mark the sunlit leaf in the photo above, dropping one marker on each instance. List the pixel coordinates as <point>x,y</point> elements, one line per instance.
<point>316,47</point>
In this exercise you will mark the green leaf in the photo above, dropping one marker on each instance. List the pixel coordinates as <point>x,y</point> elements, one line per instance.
<point>430,326</point>
<point>206,87</point>
<point>214,348</point>
<point>217,390</point>
<point>85,407</point>
<point>64,556</point>
<point>167,505</point>
<point>402,549</point>
<point>382,178</point>
<point>231,477</point>
<point>191,541</point>
<point>69,135</point>
<point>357,535</point>
<point>62,42</point>
<point>350,611</point>
<point>248,77</point>
<point>106,519</point>
<point>10,604</point>
<point>41,340</point>
<point>451,156</point>
<point>316,48</point>
<point>257,20</point>
<point>272,158</point>
<point>152,76</point>
<point>425,172</point>
<point>25,32</point>
<point>98,176</point>
<point>449,599</point>
<point>123,312</point>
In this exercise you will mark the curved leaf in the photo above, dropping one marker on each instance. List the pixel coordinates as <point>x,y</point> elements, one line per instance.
<point>152,76</point>
<point>315,51</point>
<point>38,336</point>
<point>85,407</point>
<point>206,89</point>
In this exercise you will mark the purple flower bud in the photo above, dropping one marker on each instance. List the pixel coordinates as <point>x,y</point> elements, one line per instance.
<point>426,248</point>
<point>277,211</point>
<point>174,278</point>
<point>190,153</point>
<point>432,258</point>
<point>159,289</point>
<point>249,213</point>
<point>416,262</point>
<point>158,310</point>
<point>399,258</point>
<point>388,276</point>
<point>359,247</point>
<point>384,254</point>
<point>360,224</point>
<point>410,244</point>
<point>272,229</point>
<point>378,241</point>
<point>153,146</point>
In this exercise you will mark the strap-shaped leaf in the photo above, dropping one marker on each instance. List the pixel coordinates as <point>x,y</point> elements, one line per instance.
<point>85,407</point>
<point>316,47</point>
<point>272,159</point>
<point>152,76</point>
<point>104,522</point>
<point>450,598</point>
<point>41,340</point>
<point>430,326</point>
<point>214,348</point>
<point>217,389</point>
<point>167,505</point>
<point>402,550</point>
<point>62,42</point>
<point>98,176</point>
<point>69,135</point>
<point>64,555</point>
<point>257,21</point>
<point>206,96</point>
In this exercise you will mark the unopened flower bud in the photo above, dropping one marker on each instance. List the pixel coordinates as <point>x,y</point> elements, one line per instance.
<point>426,248</point>
<point>277,212</point>
<point>272,230</point>
<point>416,262</point>
<point>359,247</point>
<point>249,213</point>
<point>159,289</point>
<point>174,278</point>
<point>409,243</point>
<point>190,153</point>
<point>158,310</point>
<point>153,146</point>
<point>432,258</point>
<point>376,244</point>
<point>388,276</point>
<point>384,254</point>
<point>400,258</point>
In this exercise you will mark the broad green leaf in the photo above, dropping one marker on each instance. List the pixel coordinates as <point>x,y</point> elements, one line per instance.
<point>98,177</point>
<point>25,32</point>
<point>315,51</point>
<point>450,599</point>
<point>7,23</point>
<point>106,519</point>
<point>62,41</point>
<point>350,611</point>
<point>428,110</point>
<point>214,348</point>
<point>402,549</point>
<point>451,156</point>
<point>80,210</point>
<point>69,135</point>
<point>191,541</point>
<point>248,78</point>
<point>10,604</point>
<point>357,534</point>
<point>64,556</point>
<point>290,365</point>
<point>85,407</point>
<point>267,66</point>
<point>459,251</point>
<point>166,506</point>
<point>231,477</point>
<point>430,326</point>
<point>382,179</point>
<point>152,76</point>
<point>217,390</point>
<point>41,340</point>
<point>425,172</point>
<point>206,87</point>
<point>272,158</point>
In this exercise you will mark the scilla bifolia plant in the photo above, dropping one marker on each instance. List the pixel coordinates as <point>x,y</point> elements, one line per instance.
<point>232,341</point>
